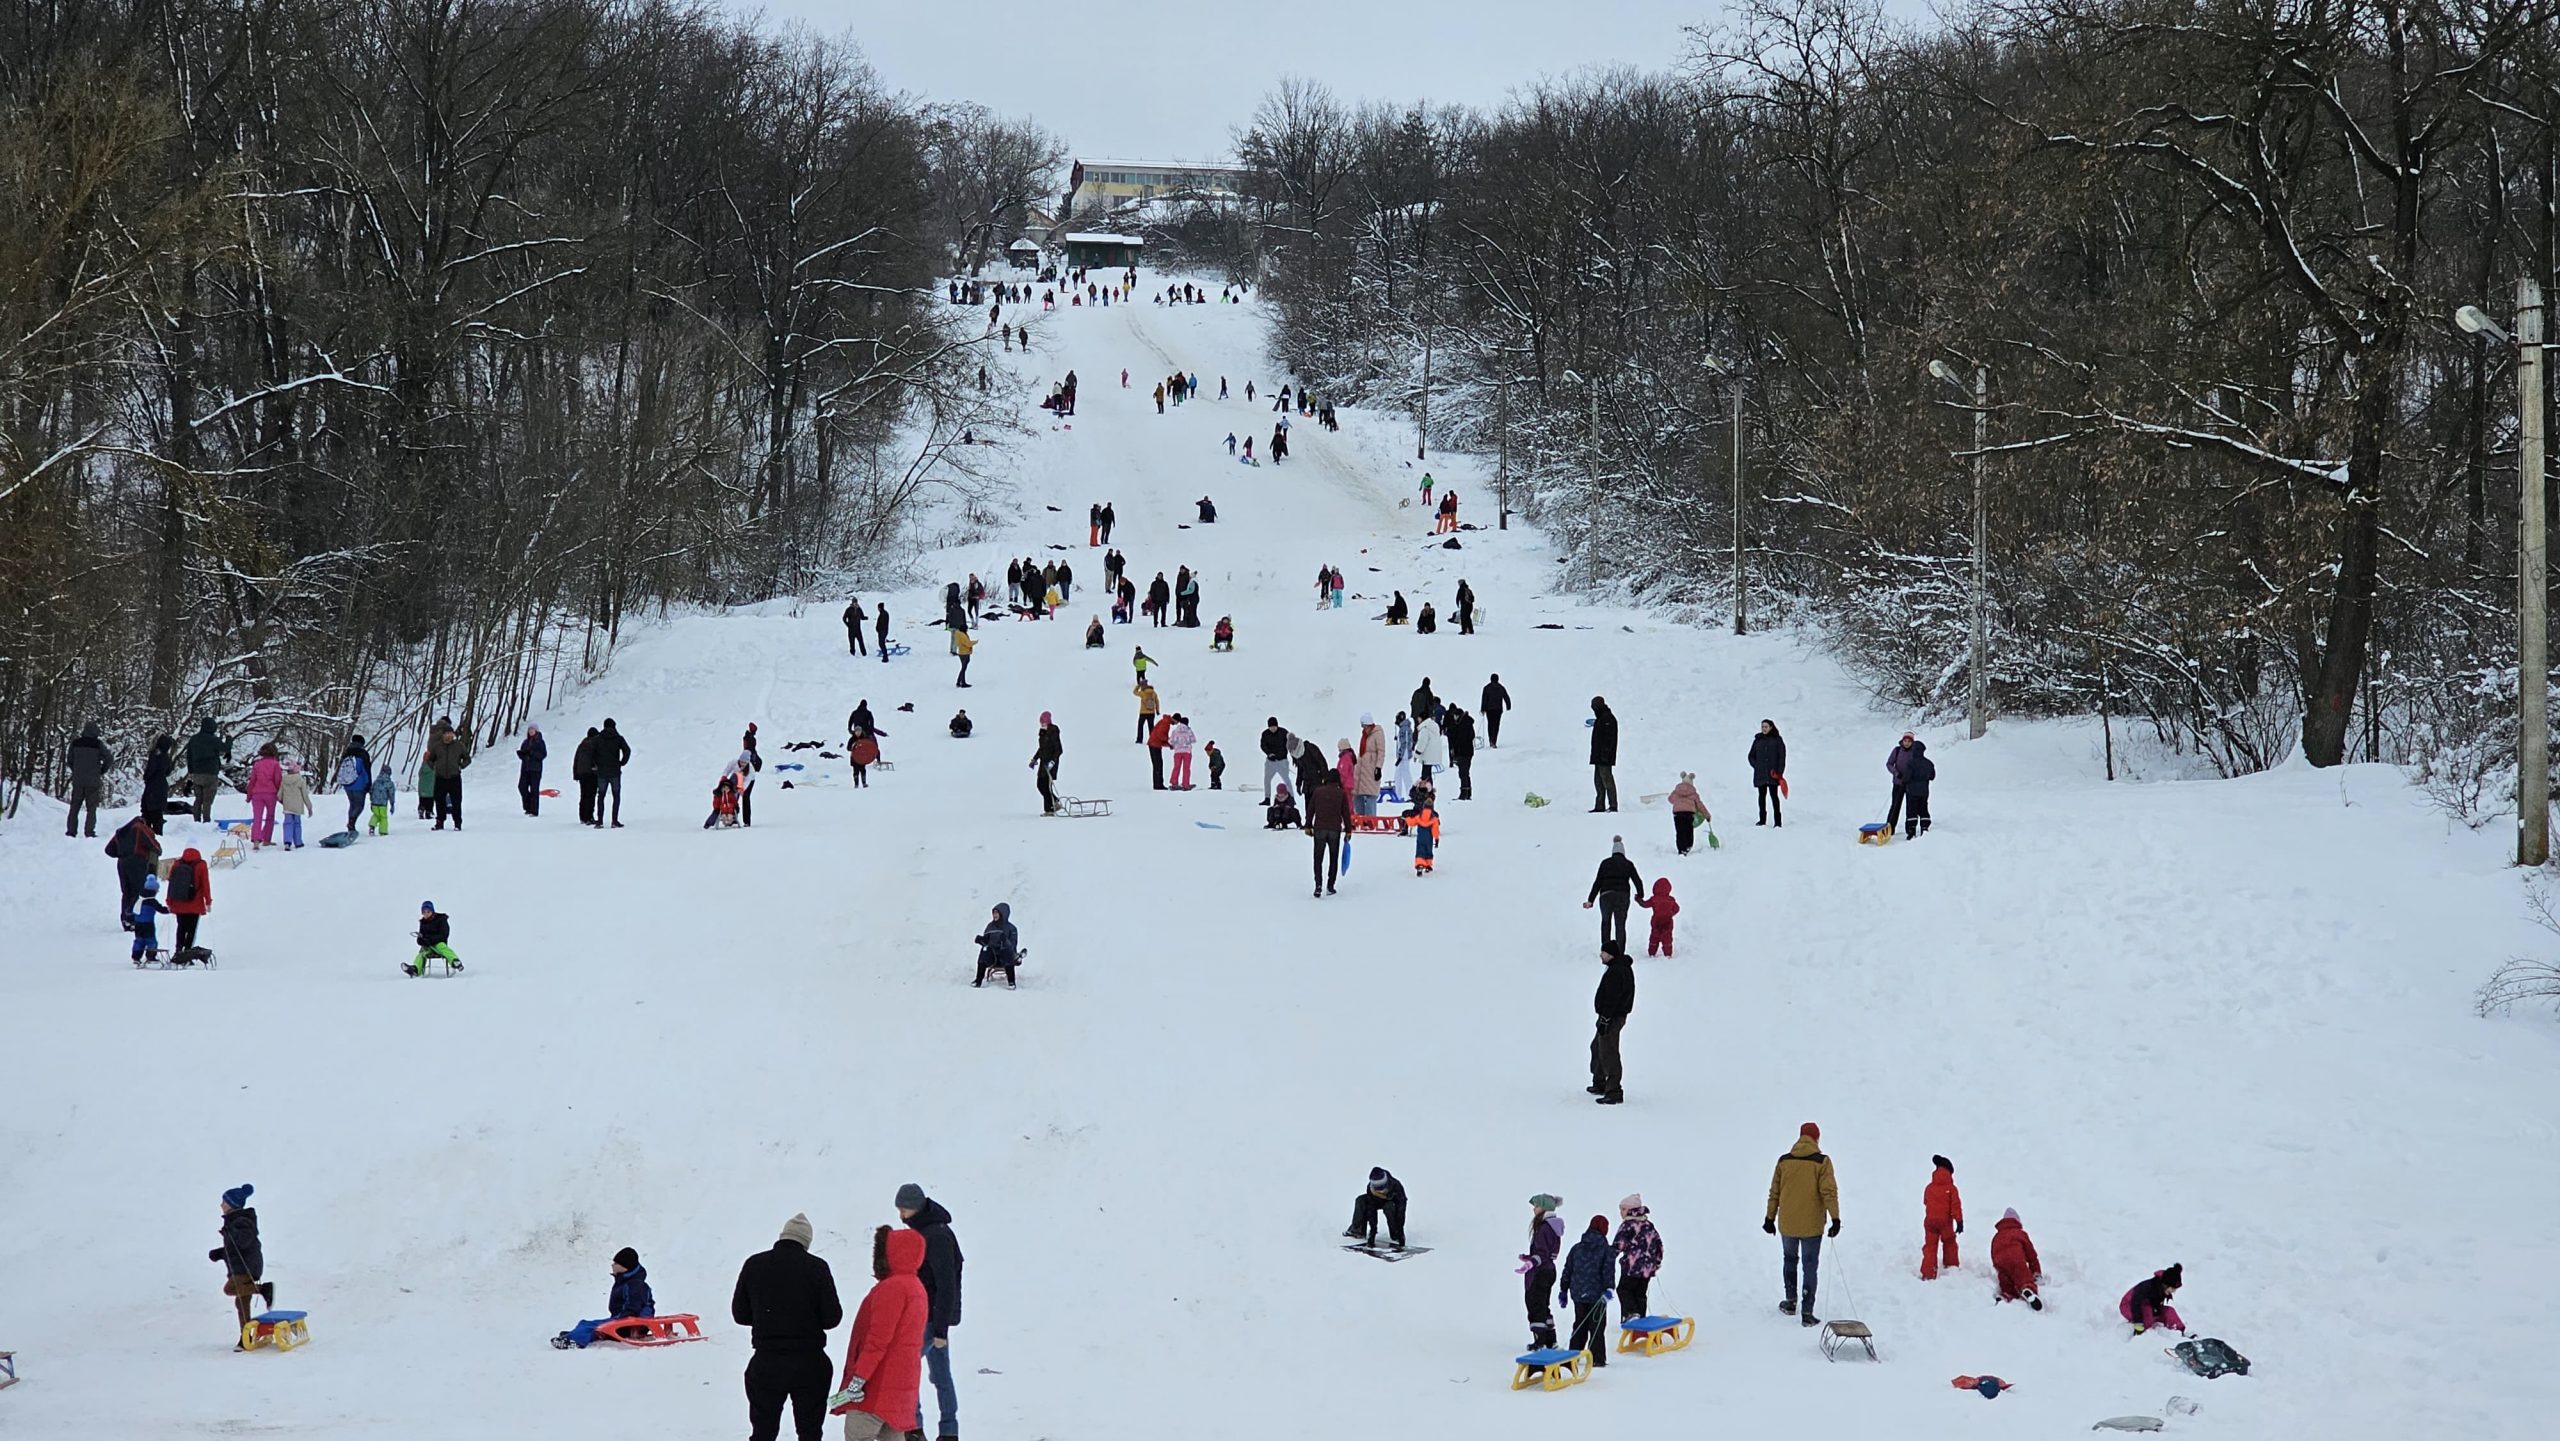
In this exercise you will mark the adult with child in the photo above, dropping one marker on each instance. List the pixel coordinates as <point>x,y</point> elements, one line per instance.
<point>1614,888</point>
<point>135,848</point>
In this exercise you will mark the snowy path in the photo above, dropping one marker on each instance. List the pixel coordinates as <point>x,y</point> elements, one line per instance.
<point>2223,1024</point>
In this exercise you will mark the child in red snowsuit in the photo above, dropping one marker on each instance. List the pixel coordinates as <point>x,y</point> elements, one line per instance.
<point>1657,942</point>
<point>2013,1260</point>
<point>1941,1218</point>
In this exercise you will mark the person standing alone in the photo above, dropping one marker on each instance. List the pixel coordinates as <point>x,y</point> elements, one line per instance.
<point>1802,1191</point>
<point>88,763</point>
<point>788,1297</point>
<point>1604,757</point>
<point>530,753</point>
<point>942,1260</point>
<point>1768,773</point>
<point>1493,703</point>
<point>1611,1004</point>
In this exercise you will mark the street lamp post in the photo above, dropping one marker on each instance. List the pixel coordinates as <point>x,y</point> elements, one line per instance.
<point>1741,577</point>
<point>2533,722</point>
<point>1980,657</point>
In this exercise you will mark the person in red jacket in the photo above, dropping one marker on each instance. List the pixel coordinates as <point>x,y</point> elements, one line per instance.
<point>1942,1219</point>
<point>2013,1261</point>
<point>884,1358</point>
<point>1159,739</point>
<point>188,896</point>
<point>1657,942</point>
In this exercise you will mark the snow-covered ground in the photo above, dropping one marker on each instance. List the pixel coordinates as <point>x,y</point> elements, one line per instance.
<point>2225,1024</point>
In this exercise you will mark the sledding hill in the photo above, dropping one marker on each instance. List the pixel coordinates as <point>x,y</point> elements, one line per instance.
<point>2225,1024</point>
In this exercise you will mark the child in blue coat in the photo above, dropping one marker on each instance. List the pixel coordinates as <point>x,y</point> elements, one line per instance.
<point>1588,1270</point>
<point>630,1297</point>
<point>145,920</point>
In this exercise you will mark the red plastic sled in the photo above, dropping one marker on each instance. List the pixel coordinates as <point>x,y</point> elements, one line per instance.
<point>651,1330</point>
<point>1377,825</point>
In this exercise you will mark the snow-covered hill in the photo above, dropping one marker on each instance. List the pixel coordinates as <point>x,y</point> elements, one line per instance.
<point>2224,1024</point>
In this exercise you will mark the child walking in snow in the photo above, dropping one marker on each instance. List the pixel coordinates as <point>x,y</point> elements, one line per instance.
<point>144,920</point>
<point>2014,1263</point>
<point>426,789</point>
<point>1941,1219</point>
<point>293,801</point>
<point>1424,822</point>
<point>435,940</point>
<point>244,1260</point>
<point>379,795</point>
<point>1658,941</point>
<point>1588,1270</point>
<point>1217,765</point>
<point>1639,1257</point>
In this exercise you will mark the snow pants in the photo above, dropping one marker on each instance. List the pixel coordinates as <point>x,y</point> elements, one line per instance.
<point>1608,1074</point>
<point>356,808</point>
<point>1182,770</point>
<point>1657,941</point>
<point>1684,831</point>
<point>2016,1280</point>
<point>1591,1330</point>
<point>1632,1290</point>
<point>449,801</point>
<point>262,819</point>
<point>1274,768</point>
<point>1916,816</point>
<point>1937,1248</point>
<point>1364,1218</point>
<point>1809,1249</point>
<point>529,789</point>
<point>800,1377</point>
<point>1604,788</point>
<point>1613,919</point>
<point>84,796</point>
<point>1536,1287</point>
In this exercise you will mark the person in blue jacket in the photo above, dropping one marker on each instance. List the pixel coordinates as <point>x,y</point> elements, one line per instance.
<point>1588,1269</point>
<point>630,1297</point>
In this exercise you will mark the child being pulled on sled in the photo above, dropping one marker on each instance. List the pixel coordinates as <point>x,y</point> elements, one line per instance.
<point>724,801</point>
<point>435,940</point>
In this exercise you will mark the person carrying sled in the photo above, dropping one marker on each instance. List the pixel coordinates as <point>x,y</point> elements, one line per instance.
<point>1941,1219</point>
<point>2014,1263</point>
<point>244,1260</point>
<point>1657,941</point>
<point>1588,1270</point>
<point>1802,1190</point>
<point>629,1297</point>
<point>1384,1197</point>
<point>1639,1248</point>
<point>881,1392</point>
<point>435,940</point>
<point>1686,808</point>
<point>999,947</point>
<point>1538,1268</point>
<point>2147,1304</point>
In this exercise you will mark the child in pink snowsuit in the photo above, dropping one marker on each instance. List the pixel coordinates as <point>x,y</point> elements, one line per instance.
<point>1658,941</point>
<point>266,777</point>
<point>2147,1304</point>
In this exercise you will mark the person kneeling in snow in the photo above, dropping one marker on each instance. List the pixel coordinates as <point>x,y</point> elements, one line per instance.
<point>630,1296</point>
<point>1384,1197</point>
<point>2147,1304</point>
<point>999,947</point>
<point>1282,813</point>
<point>435,940</point>
<point>2013,1260</point>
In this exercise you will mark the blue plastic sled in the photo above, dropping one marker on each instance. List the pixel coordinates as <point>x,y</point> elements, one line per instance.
<point>1209,825</point>
<point>337,840</point>
<point>895,647</point>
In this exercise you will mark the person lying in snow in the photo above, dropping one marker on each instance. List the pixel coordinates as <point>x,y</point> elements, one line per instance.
<point>2014,1263</point>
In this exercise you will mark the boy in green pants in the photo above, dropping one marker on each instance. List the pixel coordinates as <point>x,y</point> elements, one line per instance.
<point>385,788</point>
<point>435,933</point>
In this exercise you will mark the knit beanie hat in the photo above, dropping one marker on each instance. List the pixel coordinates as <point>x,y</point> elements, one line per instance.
<point>627,1259</point>
<point>1600,1224</point>
<point>1617,845</point>
<point>1943,1164</point>
<point>1044,718</point>
<point>238,1196</point>
<point>1378,1178</point>
<point>797,1229</point>
<point>1634,1201</point>
<point>911,1197</point>
<point>1810,1129</point>
<point>2009,1215</point>
<point>1546,1202</point>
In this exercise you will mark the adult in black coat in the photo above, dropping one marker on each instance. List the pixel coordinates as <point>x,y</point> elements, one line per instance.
<point>1385,1197</point>
<point>156,769</point>
<point>136,849</point>
<point>1614,889</point>
<point>1328,816</point>
<point>582,769</point>
<point>853,619</point>
<point>1493,703</point>
<point>1459,729</point>
<point>1466,609</point>
<point>1604,757</point>
<point>941,1275</point>
<point>1768,763</point>
<point>1611,1004</point>
<point>880,629</point>
<point>87,762</point>
<point>529,757</point>
<point>955,611</point>
<point>611,755</point>
<point>1424,702</point>
<point>1918,772</point>
<point>1044,764</point>
<point>788,1297</point>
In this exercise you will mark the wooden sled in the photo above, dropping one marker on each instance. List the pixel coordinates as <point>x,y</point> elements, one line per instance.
<point>233,848</point>
<point>282,1330</point>
<point>651,1330</point>
<point>1653,1335</point>
<point>1550,1369</point>
<point>1838,1334</point>
<point>1875,833</point>
<point>1071,806</point>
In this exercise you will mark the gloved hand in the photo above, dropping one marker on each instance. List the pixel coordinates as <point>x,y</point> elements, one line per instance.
<point>1525,1267</point>
<point>1769,1226</point>
<point>1835,1227</point>
<point>1959,1226</point>
<point>214,1255</point>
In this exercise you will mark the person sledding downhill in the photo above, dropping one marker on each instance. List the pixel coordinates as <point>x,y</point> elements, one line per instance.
<point>1802,1190</point>
<point>629,1298</point>
<point>435,938</point>
<point>2014,1262</point>
<point>1941,1219</point>
<point>999,947</point>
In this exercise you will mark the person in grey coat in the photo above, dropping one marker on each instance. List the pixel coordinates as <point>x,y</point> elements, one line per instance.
<point>88,762</point>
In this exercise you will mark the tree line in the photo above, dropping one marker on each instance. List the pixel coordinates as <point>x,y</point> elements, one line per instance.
<point>362,360</point>
<point>2246,482</point>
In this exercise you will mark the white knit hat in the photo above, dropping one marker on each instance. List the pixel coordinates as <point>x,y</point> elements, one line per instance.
<point>797,1229</point>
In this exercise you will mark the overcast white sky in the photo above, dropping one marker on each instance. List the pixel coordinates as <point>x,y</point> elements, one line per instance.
<point>1171,79</point>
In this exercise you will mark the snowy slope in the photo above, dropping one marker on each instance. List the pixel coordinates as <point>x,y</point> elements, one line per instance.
<point>2224,1024</point>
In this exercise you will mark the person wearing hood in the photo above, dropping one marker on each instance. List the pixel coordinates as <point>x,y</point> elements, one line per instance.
<point>1894,760</point>
<point>1802,1190</point>
<point>530,753</point>
<point>354,777</point>
<point>1328,816</point>
<point>1588,1270</point>
<point>1383,1197</point>
<point>1424,703</point>
<point>1604,757</point>
<point>611,755</point>
<point>630,1297</point>
<point>1686,808</point>
<point>1614,888</point>
<point>188,896</point>
<point>1657,941</point>
<point>1045,755</point>
<point>955,614</point>
<point>1941,1219</point>
<point>999,947</point>
<point>1428,623</point>
<point>293,802</point>
<point>1768,774</point>
<point>156,770</point>
<point>1369,769</point>
<point>135,848</point>
<point>1181,739</point>
<point>942,1261</point>
<point>582,769</point>
<point>961,727</point>
<point>207,752</point>
<point>1611,1004</point>
<point>243,1259</point>
<point>1918,772</point>
<point>788,1298</point>
<point>1459,729</point>
<point>2013,1262</point>
<point>879,1392</point>
<point>1404,754</point>
<point>2147,1304</point>
<point>86,763</point>
<point>1538,1268</point>
<point>448,755</point>
<point>1639,1248</point>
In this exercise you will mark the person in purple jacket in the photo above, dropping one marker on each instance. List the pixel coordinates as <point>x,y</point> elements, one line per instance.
<point>1893,761</point>
<point>1538,1267</point>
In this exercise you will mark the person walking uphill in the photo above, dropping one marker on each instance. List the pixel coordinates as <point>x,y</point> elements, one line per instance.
<point>206,753</point>
<point>448,755</point>
<point>1768,773</point>
<point>1585,1285</point>
<point>788,1297</point>
<point>1802,1191</point>
<point>1328,816</point>
<point>1604,757</point>
<point>1918,774</point>
<point>530,753</point>
<point>244,1260</point>
<point>612,754</point>
<point>88,763</point>
<point>1686,808</point>
<point>1941,1219</point>
<point>1614,889</point>
<point>1611,1004</point>
<point>883,1365</point>
<point>942,1261</point>
<point>1495,700</point>
<point>1538,1268</point>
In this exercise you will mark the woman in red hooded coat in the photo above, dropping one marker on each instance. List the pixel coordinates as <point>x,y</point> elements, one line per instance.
<point>188,895</point>
<point>884,1358</point>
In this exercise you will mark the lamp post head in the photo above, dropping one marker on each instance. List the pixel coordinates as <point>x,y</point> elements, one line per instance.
<point>1946,372</point>
<point>2476,321</point>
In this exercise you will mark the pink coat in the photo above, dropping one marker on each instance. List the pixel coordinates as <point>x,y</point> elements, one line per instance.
<point>1684,799</point>
<point>266,777</point>
<point>1349,769</point>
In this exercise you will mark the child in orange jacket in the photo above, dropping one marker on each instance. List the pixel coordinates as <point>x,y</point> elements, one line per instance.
<point>1942,1219</point>
<point>1424,822</point>
<point>1658,941</point>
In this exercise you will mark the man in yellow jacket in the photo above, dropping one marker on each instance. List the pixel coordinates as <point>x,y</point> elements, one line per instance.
<point>1801,1192</point>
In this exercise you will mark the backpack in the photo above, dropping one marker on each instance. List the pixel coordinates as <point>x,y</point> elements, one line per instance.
<point>182,882</point>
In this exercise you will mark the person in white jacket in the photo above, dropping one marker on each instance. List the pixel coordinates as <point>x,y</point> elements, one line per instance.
<point>1180,740</point>
<point>1404,754</point>
<point>1430,746</point>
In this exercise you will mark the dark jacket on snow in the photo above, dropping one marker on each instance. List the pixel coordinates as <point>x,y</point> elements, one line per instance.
<point>1616,996</point>
<point>789,1297</point>
<point>1425,704</point>
<point>1604,734</point>
<point>631,1295</point>
<point>1328,810</point>
<point>1495,700</point>
<point>1459,729</point>
<point>1768,759</point>
<point>1589,1268</point>
<point>1918,771</point>
<point>942,1260</point>
<point>612,752</point>
<point>88,760</point>
<point>240,1253</point>
<point>1617,877</point>
<point>582,761</point>
<point>531,754</point>
<point>999,943</point>
<point>206,751</point>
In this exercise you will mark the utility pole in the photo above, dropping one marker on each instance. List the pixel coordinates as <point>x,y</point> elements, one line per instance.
<point>1422,438</point>
<point>1502,453</point>
<point>1740,575</point>
<point>2533,723</point>
<point>1981,542</point>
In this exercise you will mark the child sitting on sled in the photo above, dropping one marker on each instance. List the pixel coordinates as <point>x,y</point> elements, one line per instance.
<point>999,947</point>
<point>1224,637</point>
<point>724,801</point>
<point>1282,813</point>
<point>435,938</point>
<point>630,1296</point>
